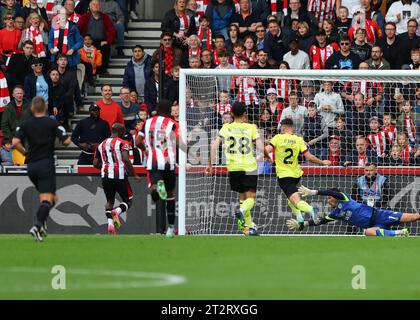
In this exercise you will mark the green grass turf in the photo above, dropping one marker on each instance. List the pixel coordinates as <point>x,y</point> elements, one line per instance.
<point>214,267</point>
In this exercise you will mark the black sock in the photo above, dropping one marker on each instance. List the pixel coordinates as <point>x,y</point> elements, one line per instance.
<point>108,214</point>
<point>123,206</point>
<point>170,211</point>
<point>43,213</point>
<point>155,195</point>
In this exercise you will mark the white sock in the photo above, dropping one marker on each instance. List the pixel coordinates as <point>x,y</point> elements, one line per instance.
<point>110,221</point>
<point>118,210</point>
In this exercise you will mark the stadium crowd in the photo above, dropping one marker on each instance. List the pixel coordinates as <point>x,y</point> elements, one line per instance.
<point>54,49</point>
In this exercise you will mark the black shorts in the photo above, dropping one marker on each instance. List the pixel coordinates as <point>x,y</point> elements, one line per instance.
<point>42,175</point>
<point>288,185</point>
<point>168,177</point>
<point>242,182</point>
<point>120,186</point>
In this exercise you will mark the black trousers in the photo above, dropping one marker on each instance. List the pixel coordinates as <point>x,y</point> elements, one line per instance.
<point>106,54</point>
<point>85,159</point>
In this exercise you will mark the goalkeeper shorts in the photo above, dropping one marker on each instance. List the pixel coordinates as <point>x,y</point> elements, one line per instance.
<point>241,181</point>
<point>288,185</point>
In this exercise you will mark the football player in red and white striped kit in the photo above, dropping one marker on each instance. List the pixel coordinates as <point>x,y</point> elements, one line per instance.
<point>161,141</point>
<point>112,158</point>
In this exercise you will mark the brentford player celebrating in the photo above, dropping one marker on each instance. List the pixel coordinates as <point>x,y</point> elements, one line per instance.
<point>112,157</point>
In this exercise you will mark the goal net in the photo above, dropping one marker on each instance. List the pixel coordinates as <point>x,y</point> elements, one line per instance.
<point>350,117</point>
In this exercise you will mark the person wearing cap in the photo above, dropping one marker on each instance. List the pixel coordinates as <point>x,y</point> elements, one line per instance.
<point>320,51</point>
<point>273,104</point>
<point>37,83</point>
<point>296,58</point>
<point>343,59</point>
<point>89,133</point>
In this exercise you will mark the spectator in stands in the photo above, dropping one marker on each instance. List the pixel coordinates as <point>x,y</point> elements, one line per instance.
<point>172,55</point>
<point>223,104</point>
<point>37,83</point>
<point>262,60</point>
<point>33,7</point>
<point>328,26</point>
<point>204,33</point>
<point>415,60</point>
<point>179,24</point>
<point>295,11</point>
<point>19,23</point>
<point>138,70</point>
<point>194,48</point>
<point>391,46</point>
<point>409,40</point>
<point>358,118</point>
<point>361,156</point>
<point>274,44</point>
<point>224,82</point>
<point>69,5</point>
<point>274,105</point>
<point>320,51</point>
<point>113,10</point>
<point>34,31</point>
<point>307,92</point>
<point>394,158</point>
<point>219,45</point>
<point>89,133</point>
<point>329,104</point>
<point>20,65</point>
<point>260,33</point>
<point>129,109</point>
<point>376,61</point>
<point>195,11</point>
<point>407,150</point>
<point>55,107</point>
<point>238,49</point>
<point>260,8</point>
<point>343,23</point>
<point>372,188</point>
<point>389,129</point>
<point>220,13</point>
<point>91,58</point>
<point>407,121</point>
<point>377,139</point>
<point>250,49</point>
<point>296,58</point>
<point>134,96</point>
<point>336,154</point>
<point>343,59</point>
<point>360,46</point>
<point>171,90</point>
<point>16,112</point>
<point>315,132</point>
<point>246,19</point>
<point>233,37</point>
<point>110,110</point>
<point>295,112</point>
<point>194,62</point>
<point>9,38</point>
<point>65,38</point>
<point>401,12</point>
<point>321,10</point>
<point>361,21</point>
<point>346,136</point>
<point>207,59</point>
<point>304,36</point>
<point>151,89</point>
<point>416,101</point>
<point>101,28</point>
<point>10,8</point>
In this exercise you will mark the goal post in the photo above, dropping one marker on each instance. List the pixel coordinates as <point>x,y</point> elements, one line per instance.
<point>205,203</point>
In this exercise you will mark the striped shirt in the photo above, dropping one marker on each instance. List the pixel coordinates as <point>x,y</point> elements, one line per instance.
<point>110,152</point>
<point>322,9</point>
<point>378,142</point>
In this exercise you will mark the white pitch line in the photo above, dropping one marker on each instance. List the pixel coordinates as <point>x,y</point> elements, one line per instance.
<point>161,279</point>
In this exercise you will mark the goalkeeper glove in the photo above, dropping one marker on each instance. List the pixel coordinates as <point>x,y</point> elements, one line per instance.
<point>306,191</point>
<point>293,224</point>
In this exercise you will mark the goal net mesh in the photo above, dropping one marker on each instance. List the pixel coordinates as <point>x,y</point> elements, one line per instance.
<point>348,120</point>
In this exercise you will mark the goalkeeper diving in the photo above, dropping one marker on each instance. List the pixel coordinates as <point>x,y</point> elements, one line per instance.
<point>375,221</point>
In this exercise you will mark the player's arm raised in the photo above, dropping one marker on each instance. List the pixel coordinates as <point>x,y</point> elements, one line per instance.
<point>213,152</point>
<point>129,166</point>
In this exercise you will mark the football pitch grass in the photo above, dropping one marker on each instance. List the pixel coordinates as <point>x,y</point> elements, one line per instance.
<point>222,267</point>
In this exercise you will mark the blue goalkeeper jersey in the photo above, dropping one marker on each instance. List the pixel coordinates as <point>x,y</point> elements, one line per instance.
<point>352,212</point>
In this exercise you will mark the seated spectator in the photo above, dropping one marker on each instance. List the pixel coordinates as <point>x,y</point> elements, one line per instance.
<point>307,92</point>
<point>407,121</point>
<point>416,101</point>
<point>250,49</point>
<point>178,23</point>
<point>328,26</point>
<point>274,105</point>
<point>204,33</point>
<point>220,13</point>
<point>319,10</point>
<point>273,43</point>
<point>329,104</point>
<point>336,154</point>
<point>33,7</point>
<point>73,16</point>
<point>315,132</point>
<point>358,118</point>
<point>394,158</point>
<point>343,59</point>
<point>151,89</point>
<point>65,38</point>
<point>219,45</point>
<point>295,112</point>
<point>389,129</point>
<point>360,46</point>
<point>129,109</point>
<point>346,136</point>
<point>137,71</point>
<point>376,61</point>
<point>361,156</point>
<point>113,10</point>
<point>207,59</point>
<point>37,83</point>
<point>171,90</point>
<point>360,21</point>
<point>20,65</point>
<point>110,110</point>
<point>260,33</point>
<point>223,104</point>
<point>239,53</point>
<point>304,37</point>
<point>224,82</point>
<point>284,86</point>
<point>247,20</point>
<point>34,31</point>
<point>10,8</point>
<point>320,51</point>
<point>196,11</point>
<point>409,39</point>
<point>343,23</point>
<point>377,139</point>
<point>101,28</point>
<point>172,55</point>
<point>233,37</point>
<point>6,152</point>
<point>262,60</point>
<point>267,123</point>
<point>401,12</point>
<point>89,133</point>
<point>134,98</point>
<point>56,105</point>
<point>194,62</point>
<point>289,31</point>
<point>19,23</point>
<point>194,48</point>
<point>9,38</point>
<point>260,8</point>
<point>391,46</point>
<point>16,112</point>
<point>296,11</point>
<point>296,58</point>
<point>415,60</point>
<point>407,150</point>
<point>91,58</point>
